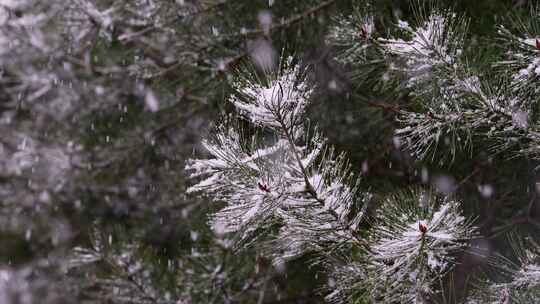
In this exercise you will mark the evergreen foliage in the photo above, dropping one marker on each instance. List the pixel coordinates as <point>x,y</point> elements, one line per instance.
<point>319,151</point>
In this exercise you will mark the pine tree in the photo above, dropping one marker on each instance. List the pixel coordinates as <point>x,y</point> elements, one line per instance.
<point>320,151</point>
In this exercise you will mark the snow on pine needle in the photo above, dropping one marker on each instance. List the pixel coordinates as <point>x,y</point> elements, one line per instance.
<point>321,213</point>
<point>296,182</point>
<point>429,53</point>
<point>230,157</point>
<point>456,103</point>
<point>525,278</point>
<point>353,36</point>
<point>521,45</point>
<point>414,240</point>
<point>347,282</point>
<point>275,102</point>
<point>429,58</point>
<point>247,179</point>
<point>423,133</point>
<point>528,276</point>
<point>517,277</point>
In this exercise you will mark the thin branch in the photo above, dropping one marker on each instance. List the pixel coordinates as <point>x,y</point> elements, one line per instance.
<point>290,21</point>
<point>386,107</point>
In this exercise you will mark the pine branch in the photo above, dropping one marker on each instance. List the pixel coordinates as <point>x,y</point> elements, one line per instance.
<point>309,187</point>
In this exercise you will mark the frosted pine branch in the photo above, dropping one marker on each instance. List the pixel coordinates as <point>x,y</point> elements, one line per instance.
<point>352,35</point>
<point>453,103</point>
<point>354,38</point>
<point>519,283</point>
<point>130,279</point>
<point>318,216</point>
<point>278,104</point>
<point>415,240</point>
<point>430,52</point>
<point>431,61</point>
<point>427,59</point>
<point>520,40</point>
<point>297,182</point>
<point>525,279</point>
<point>247,180</point>
<point>347,282</point>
